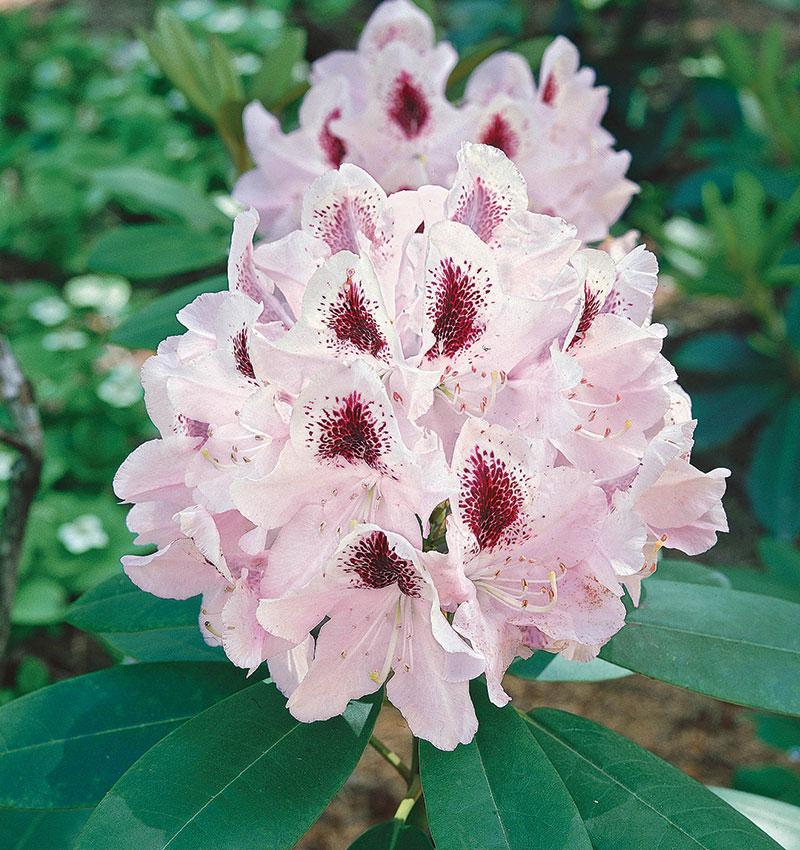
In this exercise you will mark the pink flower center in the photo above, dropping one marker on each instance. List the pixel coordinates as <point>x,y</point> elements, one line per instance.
<point>378,566</point>
<point>591,307</point>
<point>500,135</point>
<point>353,433</point>
<point>455,310</point>
<point>338,223</point>
<point>352,318</point>
<point>191,427</point>
<point>241,354</point>
<point>481,209</point>
<point>550,89</point>
<point>333,147</point>
<point>490,500</point>
<point>408,107</point>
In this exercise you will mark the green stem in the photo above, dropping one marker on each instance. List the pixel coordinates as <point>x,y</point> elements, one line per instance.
<point>391,757</point>
<point>413,793</point>
<point>407,803</point>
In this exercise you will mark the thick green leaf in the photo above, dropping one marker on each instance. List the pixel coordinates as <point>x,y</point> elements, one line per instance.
<point>141,625</point>
<point>720,353</point>
<point>142,251</point>
<point>774,480</point>
<point>779,820</point>
<point>738,578</point>
<point>781,560</point>
<point>546,667</point>
<point>157,321</point>
<point>41,829</point>
<point>630,799</point>
<point>769,780</point>
<point>722,412</point>
<point>242,774</point>
<point>393,835</point>
<point>765,584</point>
<point>64,746</point>
<point>779,731</point>
<point>492,790</point>
<point>729,644</point>
<point>153,191</point>
<point>690,572</point>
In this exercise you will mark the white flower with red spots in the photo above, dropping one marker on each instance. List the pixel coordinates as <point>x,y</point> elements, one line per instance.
<point>425,402</point>
<point>384,108</point>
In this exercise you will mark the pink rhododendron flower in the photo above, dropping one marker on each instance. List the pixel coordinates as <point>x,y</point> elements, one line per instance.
<point>383,107</point>
<point>422,434</point>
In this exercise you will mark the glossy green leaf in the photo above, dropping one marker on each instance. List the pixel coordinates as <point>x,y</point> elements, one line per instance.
<point>725,411</point>
<point>142,251</point>
<point>492,789</point>
<point>153,192</point>
<point>244,773</point>
<point>157,321</point>
<point>771,780</point>
<point>781,560</point>
<point>690,572</point>
<point>774,479</point>
<point>737,578</point>
<point>41,829</point>
<point>729,644</point>
<point>779,820</point>
<point>779,731</point>
<point>106,720</point>
<point>141,625</point>
<point>546,667</point>
<point>393,835</point>
<point>630,799</point>
<point>765,584</point>
<point>720,353</point>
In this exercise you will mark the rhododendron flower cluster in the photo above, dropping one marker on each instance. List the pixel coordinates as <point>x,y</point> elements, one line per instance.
<point>383,107</point>
<point>422,434</point>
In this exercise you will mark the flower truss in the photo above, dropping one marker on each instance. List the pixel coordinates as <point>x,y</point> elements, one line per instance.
<point>383,107</point>
<point>419,436</point>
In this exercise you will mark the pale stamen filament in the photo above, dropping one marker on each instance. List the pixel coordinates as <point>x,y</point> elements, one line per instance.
<point>520,602</point>
<point>375,622</point>
<point>605,436</point>
<point>487,402</point>
<point>653,555</point>
<point>380,677</point>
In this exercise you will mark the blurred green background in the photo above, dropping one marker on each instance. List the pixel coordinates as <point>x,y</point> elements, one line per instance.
<point>117,153</point>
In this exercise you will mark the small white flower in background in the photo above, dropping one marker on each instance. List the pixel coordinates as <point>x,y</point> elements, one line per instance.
<point>227,205</point>
<point>270,19</point>
<point>193,10</point>
<point>226,20</point>
<point>122,387</point>
<point>247,63</point>
<point>50,310</point>
<point>6,465</point>
<point>82,534</point>
<point>176,100</point>
<point>107,294</point>
<point>65,341</point>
